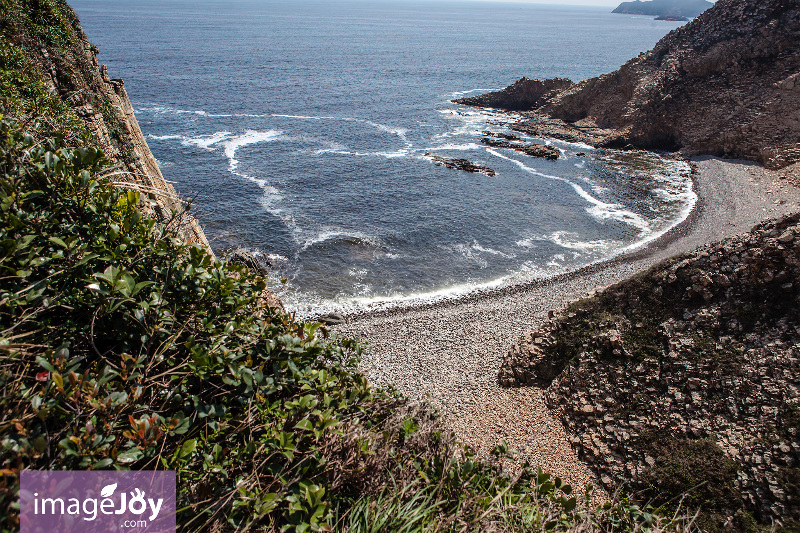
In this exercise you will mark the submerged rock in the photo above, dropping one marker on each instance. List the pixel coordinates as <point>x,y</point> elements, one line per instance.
<point>460,164</point>
<point>243,256</point>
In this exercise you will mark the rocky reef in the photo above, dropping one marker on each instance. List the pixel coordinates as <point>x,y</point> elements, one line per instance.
<point>688,373</point>
<point>661,8</point>
<point>460,164</point>
<point>545,151</point>
<point>726,84</point>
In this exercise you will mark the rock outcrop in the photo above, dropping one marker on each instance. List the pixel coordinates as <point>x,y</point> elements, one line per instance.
<point>459,164</point>
<point>720,85</point>
<point>545,151</point>
<point>523,94</point>
<point>725,84</point>
<point>674,8</point>
<point>687,373</point>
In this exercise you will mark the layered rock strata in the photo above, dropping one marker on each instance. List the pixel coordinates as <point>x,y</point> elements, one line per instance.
<point>72,73</point>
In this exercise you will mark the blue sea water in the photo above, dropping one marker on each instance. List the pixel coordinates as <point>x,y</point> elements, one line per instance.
<point>303,130</point>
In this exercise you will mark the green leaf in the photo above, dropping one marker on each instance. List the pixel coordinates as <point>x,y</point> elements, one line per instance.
<point>305,424</point>
<point>130,456</point>
<point>44,363</point>
<point>187,448</point>
<point>103,463</point>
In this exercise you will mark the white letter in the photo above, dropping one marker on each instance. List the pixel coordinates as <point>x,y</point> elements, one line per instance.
<point>52,505</point>
<point>137,498</point>
<point>155,507</point>
<point>122,505</point>
<point>107,503</point>
<point>74,508</point>
<point>93,512</point>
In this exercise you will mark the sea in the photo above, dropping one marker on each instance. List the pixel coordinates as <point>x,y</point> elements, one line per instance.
<point>305,131</point>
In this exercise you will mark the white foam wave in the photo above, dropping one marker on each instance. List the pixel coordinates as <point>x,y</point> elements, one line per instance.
<point>299,117</point>
<point>600,210</point>
<point>166,137</point>
<point>477,247</point>
<point>207,141</point>
<point>232,145</point>
<point>458,94</point>
<point>328,234</point>
<point>454,146</point>
<point>571,241</point>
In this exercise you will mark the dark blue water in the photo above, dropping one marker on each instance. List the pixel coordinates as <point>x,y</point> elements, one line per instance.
<point>303,130</point>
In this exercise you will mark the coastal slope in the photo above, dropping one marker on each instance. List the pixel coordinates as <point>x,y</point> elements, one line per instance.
<point>682,376</point>
<point>56,85</point>
<point>725,84</point>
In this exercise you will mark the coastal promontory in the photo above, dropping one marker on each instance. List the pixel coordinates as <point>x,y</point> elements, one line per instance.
<point>725,84</point>
<point>661,8</point>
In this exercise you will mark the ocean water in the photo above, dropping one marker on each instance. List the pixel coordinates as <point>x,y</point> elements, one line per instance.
<point>304,130</point>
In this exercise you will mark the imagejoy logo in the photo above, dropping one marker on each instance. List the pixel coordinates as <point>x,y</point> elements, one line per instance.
<point>97,501</point>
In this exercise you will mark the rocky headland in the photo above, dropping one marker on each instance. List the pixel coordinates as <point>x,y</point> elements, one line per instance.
<point>725,84</point>
<point>664,8</point>
<point>522,95</point>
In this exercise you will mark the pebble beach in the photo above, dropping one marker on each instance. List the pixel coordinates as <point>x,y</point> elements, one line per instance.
<point>448,353</point>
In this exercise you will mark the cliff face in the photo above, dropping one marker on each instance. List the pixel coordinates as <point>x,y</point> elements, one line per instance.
<point>685,374</point>
<point>53,83</point>
<point>726,84</point>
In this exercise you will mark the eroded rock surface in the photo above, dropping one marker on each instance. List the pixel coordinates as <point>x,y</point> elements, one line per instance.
<point>522,95</point>
<point>725,84</point>
<point>460,164</point>
<point>695,360</point>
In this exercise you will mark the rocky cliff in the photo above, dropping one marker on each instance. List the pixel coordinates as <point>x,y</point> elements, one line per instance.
<point>686,379</point>
<point>522,95</point>
<point>674,8</point>
<point>52,82</point>
<point>726,84</point>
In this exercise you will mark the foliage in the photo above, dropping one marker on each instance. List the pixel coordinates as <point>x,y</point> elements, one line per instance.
<point>25,95</point>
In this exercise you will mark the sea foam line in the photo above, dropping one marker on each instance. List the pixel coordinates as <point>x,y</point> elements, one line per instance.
<point>600,210</point>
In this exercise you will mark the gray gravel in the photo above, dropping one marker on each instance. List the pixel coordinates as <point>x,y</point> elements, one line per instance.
<point>449,353</point>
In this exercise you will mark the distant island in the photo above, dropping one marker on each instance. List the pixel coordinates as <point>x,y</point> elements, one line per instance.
<point>674,9</point>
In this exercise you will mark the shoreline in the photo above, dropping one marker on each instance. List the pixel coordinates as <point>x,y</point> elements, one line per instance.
<point>448,352</point>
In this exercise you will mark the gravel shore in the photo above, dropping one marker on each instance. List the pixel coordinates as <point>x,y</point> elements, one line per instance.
<point>448,353</point>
